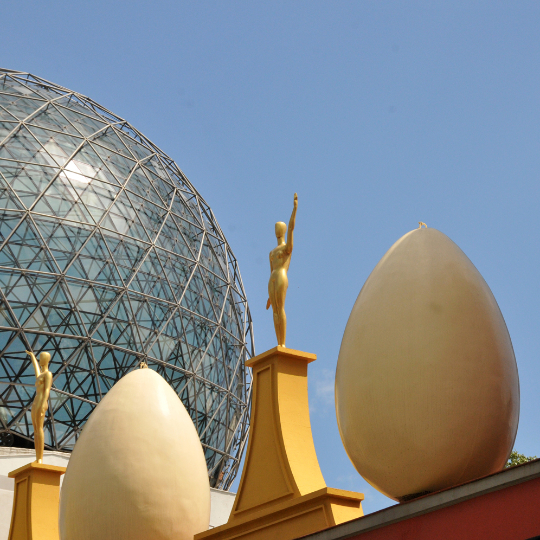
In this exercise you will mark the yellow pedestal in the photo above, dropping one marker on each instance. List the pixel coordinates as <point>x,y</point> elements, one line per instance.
<point>282,493</point>
<point>35,503</point>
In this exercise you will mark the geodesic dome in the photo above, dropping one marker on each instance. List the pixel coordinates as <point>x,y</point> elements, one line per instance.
<point>110,257</point>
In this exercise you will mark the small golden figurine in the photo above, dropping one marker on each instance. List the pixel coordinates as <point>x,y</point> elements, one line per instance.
<point>280,258</point>
<point>44,381</point>
<point>421,224</point>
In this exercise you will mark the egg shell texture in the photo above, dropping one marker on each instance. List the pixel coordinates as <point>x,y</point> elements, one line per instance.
<point>427,391</point>
<point>138,470</point>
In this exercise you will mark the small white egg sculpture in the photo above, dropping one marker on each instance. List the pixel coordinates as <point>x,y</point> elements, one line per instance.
<point>138,470</point>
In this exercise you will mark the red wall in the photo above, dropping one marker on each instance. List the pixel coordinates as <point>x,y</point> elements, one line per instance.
<point>510,513</point>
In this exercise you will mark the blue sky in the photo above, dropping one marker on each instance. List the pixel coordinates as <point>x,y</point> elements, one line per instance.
<point>379,114</point>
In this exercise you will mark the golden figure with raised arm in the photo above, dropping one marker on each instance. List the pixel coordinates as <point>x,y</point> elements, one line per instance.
<point>280,259</point>
<point>39,407</point>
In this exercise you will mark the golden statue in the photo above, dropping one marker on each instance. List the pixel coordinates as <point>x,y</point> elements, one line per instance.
<point>421,224</point>
<point>280,258</point>
<point>44,381</point>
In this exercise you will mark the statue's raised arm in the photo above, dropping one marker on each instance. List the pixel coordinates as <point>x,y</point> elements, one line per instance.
<point>292,222</point>
<point>37,369</point>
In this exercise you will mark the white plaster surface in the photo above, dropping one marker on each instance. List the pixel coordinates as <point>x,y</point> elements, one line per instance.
<point>221,502</point>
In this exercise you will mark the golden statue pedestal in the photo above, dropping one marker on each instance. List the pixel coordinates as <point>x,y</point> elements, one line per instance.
<point>282,493</point>
<point>35,502</point>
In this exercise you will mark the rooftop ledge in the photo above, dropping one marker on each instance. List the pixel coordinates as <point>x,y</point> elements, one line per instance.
<point>431,502</point>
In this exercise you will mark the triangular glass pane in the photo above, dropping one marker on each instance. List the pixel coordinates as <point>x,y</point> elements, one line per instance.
<point>171,238</point>
<point>95,263</point>
<point>150,215</point>
<point>198,334</point>
<point>175,378</point>
<point>50,118</point>
<point>151,280</point>
<point>91,165</point>
<point>122,218</point>
<point>60,347</point>
<point>20,107</point>
<point>191,233</point>
<point>169,347</point>
<point>117,327</point>
<point>6,128</point>
<point>162,186</point>
<point>139,184</point>
<point>81,105</point>
<point>177,269</point>
<point>26,250</point>
<point>58,145</point>
<point>178,178</point>
<point>28,181</point>
<point>138,150</point>
<point>56,315</point>
<point>209,260</point>
<point>23,147</point>
<point>8,222</point>
<point>5,115</point>
<point>231,317</point>
<point>217,290</point>
<point>127,254</point>
<point>120,166</point>
<point>5,317</point>
<point>156,167</point>
<point>92,301</point>
<point>5,338</point>
<point>196,297</point>
<point>110,140</point>
<point>20,366</point>
<point>114,364</point>
<point>85,125</point>
<point>59,199</point>
<point>10,85</point>
<point>42,89</point>
<point>149,315</point>
<point>8,199</point>
<point>64,239</point>
<point>97,196</point>
<point>182,208</point>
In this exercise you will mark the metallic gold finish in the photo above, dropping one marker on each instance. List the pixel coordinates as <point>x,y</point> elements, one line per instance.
<point>280,259</point>
<point>35,502</point>
<point>421,224</point>
<point>282,493</point>
<point>44,380</point>
<point>427,390</point>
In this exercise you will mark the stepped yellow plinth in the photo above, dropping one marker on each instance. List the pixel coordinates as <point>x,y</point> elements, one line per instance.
<point>282,493</point>
<point>35,502</point>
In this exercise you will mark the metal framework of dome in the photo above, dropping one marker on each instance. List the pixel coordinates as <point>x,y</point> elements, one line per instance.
<point>110,257</point>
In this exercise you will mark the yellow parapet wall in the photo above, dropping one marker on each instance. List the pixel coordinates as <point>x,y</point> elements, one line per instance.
<point>35,502</point>
<point>282,493</point>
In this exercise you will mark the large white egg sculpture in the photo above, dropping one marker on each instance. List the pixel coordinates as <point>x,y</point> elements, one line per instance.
<point>427,391</point>
<point>138,470</point>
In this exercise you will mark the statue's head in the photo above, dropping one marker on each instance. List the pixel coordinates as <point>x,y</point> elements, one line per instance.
<point>281,229</point>
<point>44,359</point>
